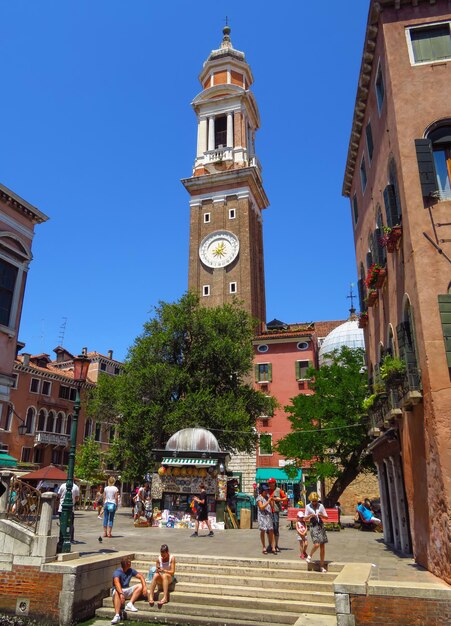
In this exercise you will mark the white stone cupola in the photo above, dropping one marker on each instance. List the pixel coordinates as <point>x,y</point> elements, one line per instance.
<point>227,113</point>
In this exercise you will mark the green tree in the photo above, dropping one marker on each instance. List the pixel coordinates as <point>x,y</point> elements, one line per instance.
<point>330,427</point>
<point>89,461</point>
<point>190,367</point>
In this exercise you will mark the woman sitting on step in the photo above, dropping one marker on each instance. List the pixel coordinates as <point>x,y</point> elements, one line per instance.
<point>163,576</point>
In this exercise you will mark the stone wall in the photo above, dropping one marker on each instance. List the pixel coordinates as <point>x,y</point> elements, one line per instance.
<point>245,464</point>
<point>364,486</point>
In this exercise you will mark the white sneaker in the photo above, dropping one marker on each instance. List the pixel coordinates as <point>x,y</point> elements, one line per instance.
<point>116,619</point>
<point>323,570</point>
<point>130,607</point>
<point>309,559</point>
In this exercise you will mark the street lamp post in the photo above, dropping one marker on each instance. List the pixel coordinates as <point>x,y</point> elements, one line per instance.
<point>81,365</point>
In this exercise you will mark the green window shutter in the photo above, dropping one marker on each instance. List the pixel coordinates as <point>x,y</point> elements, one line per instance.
<point>444,305</point>
<point>256,373</point>
<point>270,372</point>
<point>298,370</point>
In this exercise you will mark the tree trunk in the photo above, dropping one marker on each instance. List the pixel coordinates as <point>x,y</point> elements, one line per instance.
<point>350,472</point>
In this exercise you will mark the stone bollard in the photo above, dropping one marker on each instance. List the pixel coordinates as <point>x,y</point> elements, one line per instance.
<point>45,520</point>
<point>6,480</point>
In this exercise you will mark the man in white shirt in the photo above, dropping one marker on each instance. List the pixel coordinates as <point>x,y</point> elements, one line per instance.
<point>75,499</point>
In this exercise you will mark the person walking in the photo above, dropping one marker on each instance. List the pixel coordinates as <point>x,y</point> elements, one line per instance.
<point>99,501</point>
<point>110,504</point>
<point>202,512</point>
<point>164,576</point>
<point>278,497</point>
<point>301,529</point>
<point>75,499</point>
<point>315,513</point>
<point>265,519</point>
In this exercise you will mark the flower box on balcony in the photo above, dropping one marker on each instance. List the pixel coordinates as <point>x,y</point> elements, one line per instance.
<point>381,276</point>
<point>391,237</point>
<point>363,319</point>
<point>372,297</point>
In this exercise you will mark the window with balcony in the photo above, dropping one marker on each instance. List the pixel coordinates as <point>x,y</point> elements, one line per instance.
<point>50,422</point>
<point>265,444</point>
<point>430,43</point>
<point>8,277</point>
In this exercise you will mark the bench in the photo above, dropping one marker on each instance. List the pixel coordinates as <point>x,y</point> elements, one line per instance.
<point>332,523</point>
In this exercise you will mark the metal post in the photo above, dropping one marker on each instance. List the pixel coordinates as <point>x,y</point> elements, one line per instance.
<point>64,544</point>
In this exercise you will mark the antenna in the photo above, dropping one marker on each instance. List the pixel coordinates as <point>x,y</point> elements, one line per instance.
<point>62,332</point>
<point>351,297</point>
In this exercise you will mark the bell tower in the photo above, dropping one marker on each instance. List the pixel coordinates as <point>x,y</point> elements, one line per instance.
<point>226,189</point>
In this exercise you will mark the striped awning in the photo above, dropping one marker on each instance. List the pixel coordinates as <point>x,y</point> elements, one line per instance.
<point>179,461</point>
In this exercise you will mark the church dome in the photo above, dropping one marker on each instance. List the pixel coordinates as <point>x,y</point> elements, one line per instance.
<point>348,334</point>
<point>193,440</point>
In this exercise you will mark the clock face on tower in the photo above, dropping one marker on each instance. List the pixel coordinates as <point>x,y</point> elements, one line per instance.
<point>219,249</point>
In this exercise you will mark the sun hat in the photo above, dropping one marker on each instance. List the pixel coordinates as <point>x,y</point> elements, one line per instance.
<point>300,514</point>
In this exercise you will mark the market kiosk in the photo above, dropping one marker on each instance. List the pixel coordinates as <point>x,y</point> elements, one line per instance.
<point>192,457</point>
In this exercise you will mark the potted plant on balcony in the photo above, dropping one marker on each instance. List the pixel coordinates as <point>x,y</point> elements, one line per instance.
<point>363,319</point>
<point>393,371</point>
<point>371,297</point>
<point>391,236</point>
<point>376,276</point>
<point>369,403</point>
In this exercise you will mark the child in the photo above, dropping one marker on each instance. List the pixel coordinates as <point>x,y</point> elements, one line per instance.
<point>301,529</point>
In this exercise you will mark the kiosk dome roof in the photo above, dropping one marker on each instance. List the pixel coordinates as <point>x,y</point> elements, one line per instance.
<point>193,439</point>
<point>348,334</point>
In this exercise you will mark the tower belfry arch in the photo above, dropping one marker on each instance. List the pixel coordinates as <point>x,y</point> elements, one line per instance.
<point>227,197</point>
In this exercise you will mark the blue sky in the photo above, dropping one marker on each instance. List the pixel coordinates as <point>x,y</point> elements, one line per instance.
<point>98,130</point>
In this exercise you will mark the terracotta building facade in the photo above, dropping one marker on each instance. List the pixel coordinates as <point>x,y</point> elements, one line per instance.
<point>397,178</point>
<point>17,221</point>
<point>43,396</point>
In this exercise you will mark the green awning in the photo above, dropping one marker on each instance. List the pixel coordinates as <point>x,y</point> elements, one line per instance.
<point>179,461</point>
<point>265,473</point>
<point>6,460</point>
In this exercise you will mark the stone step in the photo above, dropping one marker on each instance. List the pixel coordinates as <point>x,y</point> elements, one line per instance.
<point>306,583</point>
<point>297,595</point>
<point>261,563</point>
<point>312,619</point>
<point>271,611</point>
<point>174,618</point>
<point>276,571</point>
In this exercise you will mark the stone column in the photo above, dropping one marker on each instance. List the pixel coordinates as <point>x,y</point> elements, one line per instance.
<point>385,503</point>
<point>45,520</point>
<point>211,133</point>
<point>401,505</point>
<point>229,130</point>
<point>393,505</point>
<point>201,137</point>
<point>6,480</point>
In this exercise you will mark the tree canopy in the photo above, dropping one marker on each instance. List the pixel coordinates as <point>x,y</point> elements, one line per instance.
<point>329,427</point>
<point>190,367</point>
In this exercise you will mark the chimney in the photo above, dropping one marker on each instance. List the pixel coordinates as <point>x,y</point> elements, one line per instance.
<point>110,354</point>
<point>84,351</point>
<point>26,358</point>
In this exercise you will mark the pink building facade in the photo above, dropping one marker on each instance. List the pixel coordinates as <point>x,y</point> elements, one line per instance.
<point>17,221</point>
<point>397,177</point>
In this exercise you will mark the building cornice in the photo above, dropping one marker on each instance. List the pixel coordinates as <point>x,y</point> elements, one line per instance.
<point>249,176</point>
<point>366,69</point>
<point>11,198</point>
<point>50,375</point>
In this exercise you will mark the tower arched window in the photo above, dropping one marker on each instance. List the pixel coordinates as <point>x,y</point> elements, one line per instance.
<point>41,419</point>
<point>221,131</point>
<point>30,420</point>
<point>50,422</point>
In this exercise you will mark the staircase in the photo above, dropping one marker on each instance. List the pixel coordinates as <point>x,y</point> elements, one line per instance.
<point>224,591</point>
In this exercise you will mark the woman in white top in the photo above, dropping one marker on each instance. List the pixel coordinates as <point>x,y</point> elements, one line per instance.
<point>163,576</point>
<point>110,504</point>
<point>315,513</point>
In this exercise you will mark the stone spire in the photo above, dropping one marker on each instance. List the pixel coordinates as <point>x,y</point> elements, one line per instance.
<point>226,41</point>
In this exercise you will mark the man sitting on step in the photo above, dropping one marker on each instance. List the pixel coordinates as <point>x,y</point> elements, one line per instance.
<point>121,590</point>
